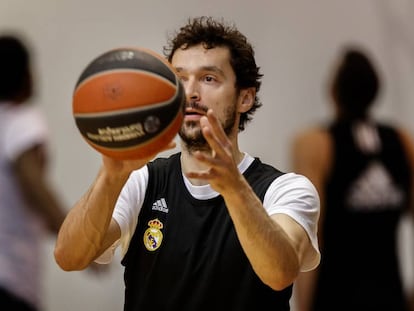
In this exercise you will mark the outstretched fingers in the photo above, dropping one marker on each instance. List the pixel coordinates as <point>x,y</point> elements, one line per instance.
<point>214,134</point>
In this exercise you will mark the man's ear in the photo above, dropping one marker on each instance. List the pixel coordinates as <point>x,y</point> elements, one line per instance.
<point>246,99</point>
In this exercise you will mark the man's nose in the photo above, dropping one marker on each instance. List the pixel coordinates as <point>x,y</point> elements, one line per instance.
<point>192,90</point>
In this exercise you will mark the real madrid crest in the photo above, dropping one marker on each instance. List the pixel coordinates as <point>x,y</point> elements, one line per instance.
<point>153,235</point>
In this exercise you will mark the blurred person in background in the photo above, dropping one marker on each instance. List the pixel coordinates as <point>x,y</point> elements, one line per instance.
<point>29,208</point>
<point>363,170</point>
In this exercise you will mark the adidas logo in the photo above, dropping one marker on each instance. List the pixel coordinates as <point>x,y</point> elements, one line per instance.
<point>160,205</point>
<point>375,190</point>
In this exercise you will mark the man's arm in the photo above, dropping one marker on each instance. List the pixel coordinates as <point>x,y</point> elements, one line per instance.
<point>311,157</point>
<point>409,149</point>
<point>88,229</point>
<point>274,245</point>
<point>30,170</point>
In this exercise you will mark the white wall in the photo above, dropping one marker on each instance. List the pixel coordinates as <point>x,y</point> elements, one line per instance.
<point>296,42</point>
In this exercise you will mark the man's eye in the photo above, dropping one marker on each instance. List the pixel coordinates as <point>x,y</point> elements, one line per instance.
<point>209,78</point>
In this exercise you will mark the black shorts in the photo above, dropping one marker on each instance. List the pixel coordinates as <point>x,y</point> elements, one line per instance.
<point>10,302</point>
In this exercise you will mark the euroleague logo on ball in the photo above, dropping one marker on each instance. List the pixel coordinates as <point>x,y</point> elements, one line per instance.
<point>128,103</point>
<point>113,91</point>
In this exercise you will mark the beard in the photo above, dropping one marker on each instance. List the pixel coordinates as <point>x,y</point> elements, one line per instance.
<point>192,136</point>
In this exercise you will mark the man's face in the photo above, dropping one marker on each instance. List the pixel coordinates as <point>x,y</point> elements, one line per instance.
<point>209,82</point>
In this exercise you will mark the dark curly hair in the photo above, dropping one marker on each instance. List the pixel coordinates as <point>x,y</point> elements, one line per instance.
<point>216,33</point>
<point>356,83</point>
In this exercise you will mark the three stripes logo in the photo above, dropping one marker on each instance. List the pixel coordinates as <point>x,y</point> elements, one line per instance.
<point>160,205</point>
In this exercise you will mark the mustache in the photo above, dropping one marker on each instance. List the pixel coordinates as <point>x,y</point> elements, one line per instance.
<point>196,106</point>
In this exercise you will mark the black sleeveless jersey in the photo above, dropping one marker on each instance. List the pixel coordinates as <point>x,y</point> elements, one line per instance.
<point>366,194</point>
<point>185,254</point>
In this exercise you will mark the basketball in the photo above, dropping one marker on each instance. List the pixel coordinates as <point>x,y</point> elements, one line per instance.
<point>128,103</point>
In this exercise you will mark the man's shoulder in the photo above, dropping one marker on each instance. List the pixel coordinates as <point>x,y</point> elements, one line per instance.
<point>310,145</point>
<point>165,162</point>
<point>311,136</point>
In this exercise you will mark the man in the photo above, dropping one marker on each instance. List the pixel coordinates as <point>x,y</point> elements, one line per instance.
<point>232,233</point>
<point>29,206</point>
<point>363,169</point>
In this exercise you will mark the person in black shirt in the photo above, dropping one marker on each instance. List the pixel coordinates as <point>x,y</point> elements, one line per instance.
<point>363,169</point>
<point>210,227</point>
